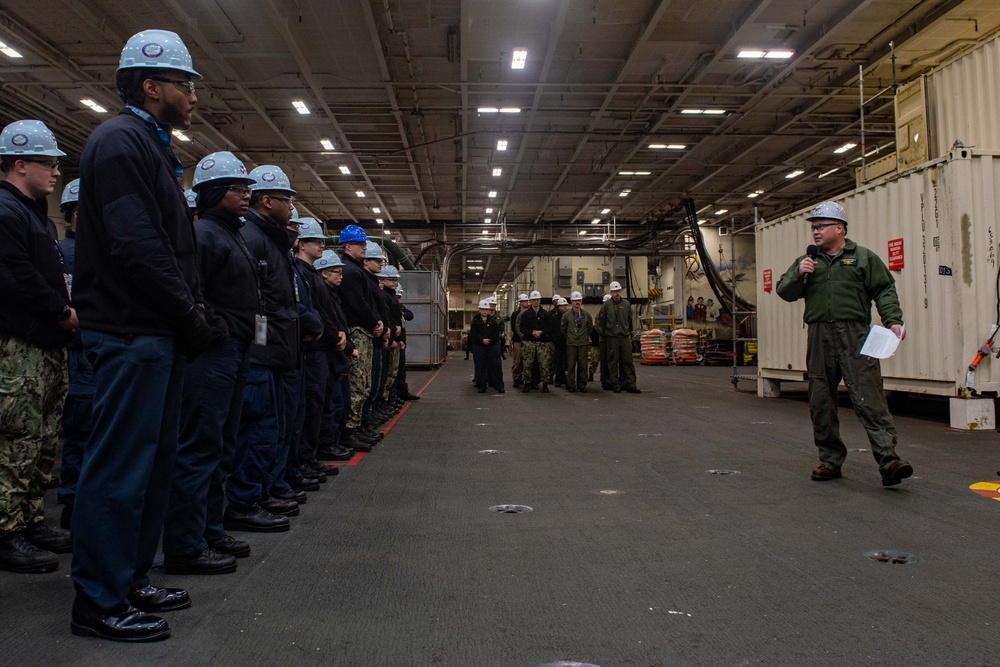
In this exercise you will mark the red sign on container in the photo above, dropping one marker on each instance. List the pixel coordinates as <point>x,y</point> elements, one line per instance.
<point>896,255</point>
<point>767,280</point>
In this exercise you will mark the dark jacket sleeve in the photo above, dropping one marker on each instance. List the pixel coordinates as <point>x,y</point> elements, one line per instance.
<point>309,320</point>
<point>20,279</point>
<point>477,329</point>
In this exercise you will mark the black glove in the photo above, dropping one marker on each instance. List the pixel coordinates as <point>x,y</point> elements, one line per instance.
<point>194,336</point>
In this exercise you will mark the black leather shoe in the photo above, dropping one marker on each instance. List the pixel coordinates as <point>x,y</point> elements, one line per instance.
<point>410,397</point>
<point>291,494</point>
<point>337,453</point>
<point>19,555</point>
<point>351,440</point>
<point>129,626</point>
<point>305,484</point>
<point>634,390</point>
<point>325,468</point>
<point>545,388</point>
<point>280,507</point>
<point>308,472</point>
<point>228,544</point>
<point>208,561</point>
<point>254,520</point>
<point>155,600</point>
<point>47,539</point>
<point>66,518</point>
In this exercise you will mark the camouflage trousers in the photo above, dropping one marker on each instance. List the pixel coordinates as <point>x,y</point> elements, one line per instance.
<point>361,374</point>
<point>595,359</point>
<point>390,379</point>
<point>532,351</point>
<point>32,390</point>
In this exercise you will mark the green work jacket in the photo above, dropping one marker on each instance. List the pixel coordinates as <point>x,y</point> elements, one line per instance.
<point>615,319</point>
<point>576,333</point>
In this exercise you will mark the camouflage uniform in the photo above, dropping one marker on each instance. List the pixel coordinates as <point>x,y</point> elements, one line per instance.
<point>361,374</point>
<point>32,390</point>
<point>595,359</point>
<point>393,372</point>
<point>532,350</point>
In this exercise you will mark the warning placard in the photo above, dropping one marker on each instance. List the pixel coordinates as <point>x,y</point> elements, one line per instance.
<point>896,255</point>
<point>767,280</point>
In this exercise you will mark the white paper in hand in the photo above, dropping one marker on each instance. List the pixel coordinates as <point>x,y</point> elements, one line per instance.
<point>880,344</point>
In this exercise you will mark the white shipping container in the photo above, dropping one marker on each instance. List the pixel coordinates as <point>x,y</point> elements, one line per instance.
<point>945,213</point>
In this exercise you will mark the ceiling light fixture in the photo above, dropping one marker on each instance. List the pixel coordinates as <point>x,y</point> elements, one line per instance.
<point>794,174</point>
<point>180,135</point>
<point>344,169</point>
<point>843,149</point>
<point>676,147</point>
<point>386,232</point>
<point>748,53</point>
<point>379,221</point>
<point>487,220</point>
<point>595,221</point>
<point>583,232</point>
<point>489,210</point>
<point>702,222</point>
<point>327,144</point>
<point>722,211</point>
<point>376,210</point>
<point>360,193</point>
<point>626,173</point>
<point>485,231</point>
<point>706,112</point>
<point>827,173</point>
<point>625,193</point>
<point>755,194</point>
<point>497,171</point>
<point>643,173</point>
<point>776,54</point>
<point>520,57</point>
<point>510,109</point>
<point>501,144</point>
<point>488,110</point>
<point>301,107</point>
<point>93,106</point>
<point>492,193</point>
<point>9,52</point>
<point>605,211</point>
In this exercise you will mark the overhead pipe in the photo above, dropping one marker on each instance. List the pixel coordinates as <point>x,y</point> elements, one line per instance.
<point>715,279</point>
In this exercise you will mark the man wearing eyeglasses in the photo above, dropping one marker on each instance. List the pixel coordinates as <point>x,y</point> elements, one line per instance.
<point>138,289</point>
<point>839,281</point>
<point>36,323</point>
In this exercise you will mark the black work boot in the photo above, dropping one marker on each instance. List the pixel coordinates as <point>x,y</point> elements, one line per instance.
<point>17,554</point>
<point>47,539</point>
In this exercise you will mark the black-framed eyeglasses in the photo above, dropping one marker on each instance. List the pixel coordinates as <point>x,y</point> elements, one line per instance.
<point>186,85</point>
<point>816,228</point>
<point>287,200</point>
<point>239,189</point>
<point>48,164</point>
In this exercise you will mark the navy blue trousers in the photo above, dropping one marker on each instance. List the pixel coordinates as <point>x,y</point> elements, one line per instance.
<point>77,422</point>
<point>489,371</point>
<point>336,411</point>
<point>211,404</point>
<point>124,482</point>
<point>400,387</point>
<point>286,464</point>
<point>258,438</point>
<point>316,364</point>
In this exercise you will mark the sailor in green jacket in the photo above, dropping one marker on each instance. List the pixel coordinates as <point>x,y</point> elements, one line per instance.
<point>614,323</point>
<point>576,326</point>
<point>839,283</point>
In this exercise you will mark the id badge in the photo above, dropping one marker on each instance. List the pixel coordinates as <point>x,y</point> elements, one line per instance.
<point>260,329</point>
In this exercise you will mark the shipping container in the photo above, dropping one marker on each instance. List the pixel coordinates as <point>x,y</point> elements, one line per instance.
<point>421,286</point>
<point>940,221</point>
<point>425,349</point>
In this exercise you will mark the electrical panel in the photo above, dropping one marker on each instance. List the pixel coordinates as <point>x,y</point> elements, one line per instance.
<point>588,290</point>
<point>599,290</point>
<point>564,273</point>
<point>579,277</point>
<point>618,266</point>
<point>605,278</point>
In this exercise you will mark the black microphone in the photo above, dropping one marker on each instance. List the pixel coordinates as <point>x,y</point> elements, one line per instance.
<point>811,251</point>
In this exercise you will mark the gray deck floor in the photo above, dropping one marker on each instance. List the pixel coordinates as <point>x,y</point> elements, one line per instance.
<point>399,561</point>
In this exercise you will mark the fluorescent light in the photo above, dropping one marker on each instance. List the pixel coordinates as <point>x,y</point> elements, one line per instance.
<point>9,52</point>
<point>692,111</point>
<point>93,106</point>
<point>485,231</point>
<point>582,232</point>
<point>360,193</point>
<point>180,135</point>
<point>379,221</point>
<point>376,210</point>
<point>489,210</point>
<point>386,232</point>
<point>497,171</point>
<point>344,169</point>
<point>605,211</point>
<point>520,57</point>
<point>510,109</point>
<point>643,173</point>
<point>673,147</point>
<point>300,106</point>
<point>714,112</point>
<point>722,211</point>
<point>794,174</point>
<point>702,222</point>
<point>626,173</point>
<point>327,144</point>
<point>827,173</point>
<point>624,193</point>
<point>748,53</point>
<point>779,55</point>
<point>487,220</point>
<point>843,149</point>
<point>755,194</point>
<point>657,146</point>
<point>487,110</point>
<point>595,221</point>
<point>501,144</point>
<point>492,193</point>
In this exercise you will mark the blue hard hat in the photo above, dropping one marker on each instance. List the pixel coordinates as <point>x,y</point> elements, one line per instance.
<point>192,198</point>
<point>329,260</point>
<point>270,177</point>
<point>218,166</point>
<point>71,193</point>
<point>29,137</point>
<point>157,49</point>
<point>309,228</point>
<point>373,251</point>
<point>352,233</point>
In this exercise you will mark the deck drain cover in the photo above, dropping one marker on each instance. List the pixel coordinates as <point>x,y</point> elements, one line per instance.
<point>723,472</point>
<point>492,451</point>
<point>568,663</point>
<point>610,492</point>
<point>858,449</point>
<point>511,509</point>
<point>893,556</point>
<point>649,435</point>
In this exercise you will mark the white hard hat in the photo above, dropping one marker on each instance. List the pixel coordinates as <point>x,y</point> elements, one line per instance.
<point>309,228</point>
<point>329,260</point>
<point>157,49</point>
<point>492,299</point>
<point>522,297</point>
<point>29,137</point>
<point>576,296</point>
<point>828,210</point>
<point>555,298</point>
<point>218,166</point>
<point>605,297</point>
<point>615,286</point>
<point>270,177</point>
<point>399,291</point>
<point>562,302</point>
<point>71,193</point>
<point>535,294</point>
<point>484,304</point>
<point>192,198</point>
<point>373,251</point>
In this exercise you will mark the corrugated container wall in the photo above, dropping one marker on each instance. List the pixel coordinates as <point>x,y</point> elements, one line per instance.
<point>427,332</point>
<point>963,97</point>
<point>946,214</point>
